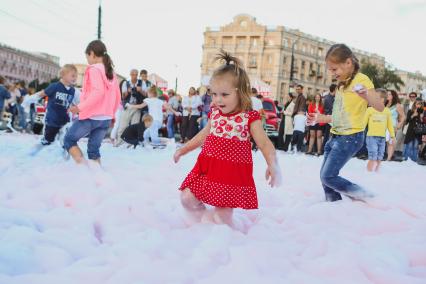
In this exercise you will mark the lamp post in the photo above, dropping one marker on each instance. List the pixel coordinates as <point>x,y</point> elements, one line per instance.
<point>292,63</point>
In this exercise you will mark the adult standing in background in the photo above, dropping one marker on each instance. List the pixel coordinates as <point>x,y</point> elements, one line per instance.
<point>328,110</point>
<point>131,95</point>
<point>300,101</point>
<point>191,113</point>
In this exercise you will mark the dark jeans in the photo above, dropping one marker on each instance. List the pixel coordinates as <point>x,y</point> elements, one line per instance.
<point>189,126</point>
<point>95,129</point>
<point>338,151</point>
<point>281,136</point>
<point>298,137</point>
<point>287,142</point>
<point>50,133</point>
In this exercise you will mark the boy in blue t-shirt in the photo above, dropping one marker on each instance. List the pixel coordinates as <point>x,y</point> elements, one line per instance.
<point>61,95</point>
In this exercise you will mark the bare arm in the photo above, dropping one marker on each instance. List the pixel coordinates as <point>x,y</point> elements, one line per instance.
<point>139,106</point>
<point>268,151</point>
<point>401,116</point>
<point>194,143</point>
<point>373,99</point>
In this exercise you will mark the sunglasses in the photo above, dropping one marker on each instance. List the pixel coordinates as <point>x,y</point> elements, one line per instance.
<point>413,97</point>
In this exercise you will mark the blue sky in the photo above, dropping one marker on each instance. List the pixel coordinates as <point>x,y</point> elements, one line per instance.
<point>160,35</point>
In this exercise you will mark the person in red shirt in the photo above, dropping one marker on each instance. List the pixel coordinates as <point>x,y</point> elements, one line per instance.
<point>315,131</point>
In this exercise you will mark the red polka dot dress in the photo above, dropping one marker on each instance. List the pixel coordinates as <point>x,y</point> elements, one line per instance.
<point>223,174</point>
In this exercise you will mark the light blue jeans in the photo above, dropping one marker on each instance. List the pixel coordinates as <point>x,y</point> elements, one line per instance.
<point>94,129</point>
<point>338,151</point>
<point>170,125</point>
<point>152,132</point>
<point>411,150</point>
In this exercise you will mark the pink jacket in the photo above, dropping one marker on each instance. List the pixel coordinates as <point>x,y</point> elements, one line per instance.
<point>99,96</point>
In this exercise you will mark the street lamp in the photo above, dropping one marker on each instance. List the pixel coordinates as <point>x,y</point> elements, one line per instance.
<point>292,61</point>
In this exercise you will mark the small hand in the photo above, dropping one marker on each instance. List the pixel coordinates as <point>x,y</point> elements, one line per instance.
<point>361,91</point>
<point>74,109</point>
<point>270,176</point>
<point>312,118</point>
<point>177,156</point>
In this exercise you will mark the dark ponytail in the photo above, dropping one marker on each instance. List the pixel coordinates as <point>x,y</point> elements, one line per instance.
<point>99,49</point>
<point>339,53</point>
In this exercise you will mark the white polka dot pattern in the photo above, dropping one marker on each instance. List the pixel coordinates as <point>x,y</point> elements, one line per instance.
<point>223,174</point>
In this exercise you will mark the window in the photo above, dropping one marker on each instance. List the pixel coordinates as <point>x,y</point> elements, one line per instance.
<point>303,48</point>
<point>241,41</point>
<point>270,59</point>
<point>243,24</point>
<point>285,42</point>
<point>284,60</point>
<point>253,61</point>
<point>267,106</point>
<point>254,42</point>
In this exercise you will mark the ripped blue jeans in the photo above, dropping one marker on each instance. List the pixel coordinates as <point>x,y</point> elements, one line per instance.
<point>338,151</point>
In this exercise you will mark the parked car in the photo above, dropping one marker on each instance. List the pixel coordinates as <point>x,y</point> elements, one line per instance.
<point>271,116</point>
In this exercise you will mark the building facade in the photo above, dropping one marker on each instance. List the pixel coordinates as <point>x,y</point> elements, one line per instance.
<point>267,51</point>
<point>17,65</point>
<point>413,82</point>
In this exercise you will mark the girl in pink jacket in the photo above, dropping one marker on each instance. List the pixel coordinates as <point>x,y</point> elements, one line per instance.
<point>99,101</point>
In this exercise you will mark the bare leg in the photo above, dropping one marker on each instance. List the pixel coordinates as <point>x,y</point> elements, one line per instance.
<point>319,141</point>
<point>377,166</point>
<point>77,155</point>
<point>190,202</point>
<point>391,150</point>
<point>223,215</point>
<point>371,165</point>
<point>311,140</point>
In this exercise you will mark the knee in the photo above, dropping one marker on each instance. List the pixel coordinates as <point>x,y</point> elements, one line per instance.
<point>189,201</point>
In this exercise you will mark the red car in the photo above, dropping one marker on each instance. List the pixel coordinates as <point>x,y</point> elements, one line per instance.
<point>271,115</point>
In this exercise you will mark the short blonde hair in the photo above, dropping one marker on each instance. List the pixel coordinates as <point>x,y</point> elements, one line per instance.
<point>67,68</point>
<point>147,118</point>
<point>153,90</point>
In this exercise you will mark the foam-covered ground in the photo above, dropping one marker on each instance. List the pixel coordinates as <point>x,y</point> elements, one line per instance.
<point>62,223</point>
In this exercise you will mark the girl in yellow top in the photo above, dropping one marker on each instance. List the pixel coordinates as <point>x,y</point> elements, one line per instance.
<point>378,122</point>
<point>355,91</point>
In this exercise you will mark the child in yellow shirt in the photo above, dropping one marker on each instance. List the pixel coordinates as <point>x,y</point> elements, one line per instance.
<point>378,122</point>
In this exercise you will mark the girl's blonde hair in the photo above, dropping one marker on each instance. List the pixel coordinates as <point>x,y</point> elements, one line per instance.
<point>339,53</point>
<point>233,66</point>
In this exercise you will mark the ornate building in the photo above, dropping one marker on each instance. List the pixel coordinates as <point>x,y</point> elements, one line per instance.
<point>18,65</point>
<point>267,51</point>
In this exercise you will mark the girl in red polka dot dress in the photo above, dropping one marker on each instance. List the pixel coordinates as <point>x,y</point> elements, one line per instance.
<point>223,174</point>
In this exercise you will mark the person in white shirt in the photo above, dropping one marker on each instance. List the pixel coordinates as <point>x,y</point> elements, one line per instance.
<point>298,131</point>
<point>256,103</point>
<point>155,109</point>
<point>191,113</point>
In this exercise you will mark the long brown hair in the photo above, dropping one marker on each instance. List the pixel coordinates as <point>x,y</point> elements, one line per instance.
<point>99,49</point>
<point>339,53</point>
<point>234,67</point>
<point>395,98</point>
<point>320,103</point>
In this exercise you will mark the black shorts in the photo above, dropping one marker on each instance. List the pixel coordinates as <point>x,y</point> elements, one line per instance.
<point>317,127</point>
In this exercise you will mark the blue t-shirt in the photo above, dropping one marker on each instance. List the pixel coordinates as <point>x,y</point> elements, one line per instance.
<point>60,99</point>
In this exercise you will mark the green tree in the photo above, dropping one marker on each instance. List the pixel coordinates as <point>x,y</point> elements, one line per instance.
<point>382,78</point>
